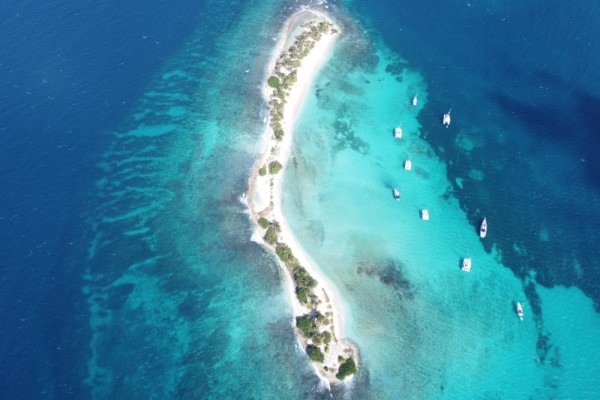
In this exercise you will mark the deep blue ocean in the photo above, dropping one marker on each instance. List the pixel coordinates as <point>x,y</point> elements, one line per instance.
<point>128,130</point>
<point>70,71</point>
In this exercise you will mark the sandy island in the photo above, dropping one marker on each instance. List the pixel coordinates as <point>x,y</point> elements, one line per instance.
<point>265,192</point>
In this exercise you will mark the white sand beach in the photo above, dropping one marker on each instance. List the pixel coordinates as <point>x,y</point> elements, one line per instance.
<point>265,193</point>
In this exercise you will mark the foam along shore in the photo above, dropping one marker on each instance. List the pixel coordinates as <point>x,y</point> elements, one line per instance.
<point>307,37</point>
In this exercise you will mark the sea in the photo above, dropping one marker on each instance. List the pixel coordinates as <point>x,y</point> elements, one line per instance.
<point>128,132</point>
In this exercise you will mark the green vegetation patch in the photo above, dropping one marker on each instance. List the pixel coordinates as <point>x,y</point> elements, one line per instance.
<point>315,353</point>
<point>302,295</point>
<point>264,223</point>
<point>274,82</point>
<point>303,278</point>
<point>323,337</point>
<point>308,324</point>
<point>285,254</point>
<point>347,368</point>
<point>272,234</point>
<point>289,61</point>
<point>304,282</point>
<point>278,132</point>
<point>263,170</point>
<point>275,167</point>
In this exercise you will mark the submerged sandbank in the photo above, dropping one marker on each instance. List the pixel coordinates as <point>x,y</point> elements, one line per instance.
<point>265,189</point>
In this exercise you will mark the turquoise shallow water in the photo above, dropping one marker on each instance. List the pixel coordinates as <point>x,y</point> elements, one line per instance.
<point>425,328</point>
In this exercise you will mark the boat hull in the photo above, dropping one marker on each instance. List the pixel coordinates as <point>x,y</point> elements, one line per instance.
<point>466,265</point>
<point>520,312</point>
<point>483,229</point>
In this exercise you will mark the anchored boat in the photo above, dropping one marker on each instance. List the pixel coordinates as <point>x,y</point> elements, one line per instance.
<point>397,194</point>
<point>414,100</point>
<point>446,119</point>
<point>398,132</point>
<point>466,265</point>
<point>425,215</point>
<point>483,228</point>
<point>408,165</point>
<point>520,312</point>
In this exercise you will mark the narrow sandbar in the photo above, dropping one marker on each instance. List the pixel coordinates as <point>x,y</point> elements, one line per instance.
<point>265,190</point>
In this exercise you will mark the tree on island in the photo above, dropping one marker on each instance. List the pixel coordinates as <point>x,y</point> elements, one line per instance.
<point>285,254</point>
<point>308,324</point>
<point>303,278</point>
<point>275,167</point>
<point>302,295</point>
<point>272,234</point>
<point>315,353</point>
<point>347,368</point>
<point>264,223</point>
<point>274,82</point>
<point>323,337</point>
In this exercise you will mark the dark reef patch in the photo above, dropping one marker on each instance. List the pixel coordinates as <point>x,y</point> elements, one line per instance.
<point>345,135</point>
<point>396,69</point>
<point>390,274</point>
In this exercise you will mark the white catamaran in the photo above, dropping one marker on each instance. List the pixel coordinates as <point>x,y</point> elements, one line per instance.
<point>398,132</point>
<point>446,119</point>
<point>466,265</point>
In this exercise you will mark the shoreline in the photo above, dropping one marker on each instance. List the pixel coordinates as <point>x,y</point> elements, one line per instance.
<point>264,194</point>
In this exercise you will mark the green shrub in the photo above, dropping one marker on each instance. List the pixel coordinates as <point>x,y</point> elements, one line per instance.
<point>264,223</point>
<point>303,279</point>
<point>274,167</point>
<point>263,170</point>
<point>278,132</point>
<point>272,234</point>
<point>347,368</point>
<point>315,353</point>
<point>307,325</point>
<point>274,82</point>
<point>285,254</point>
<point>323,337</point>
<point>302,295</point>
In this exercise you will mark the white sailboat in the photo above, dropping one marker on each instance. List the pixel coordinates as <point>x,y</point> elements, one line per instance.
<point>414,100</point>
<point>520,312</point>
<point>483,228</point>
<point>397,194</point>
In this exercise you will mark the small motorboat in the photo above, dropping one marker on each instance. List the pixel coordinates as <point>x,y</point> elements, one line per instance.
<point>483,228</point>
<point>466,265</point>
<point>408,165</point>
<point>425,215</point>
<point>397,194</point>
<point>520,312</point>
